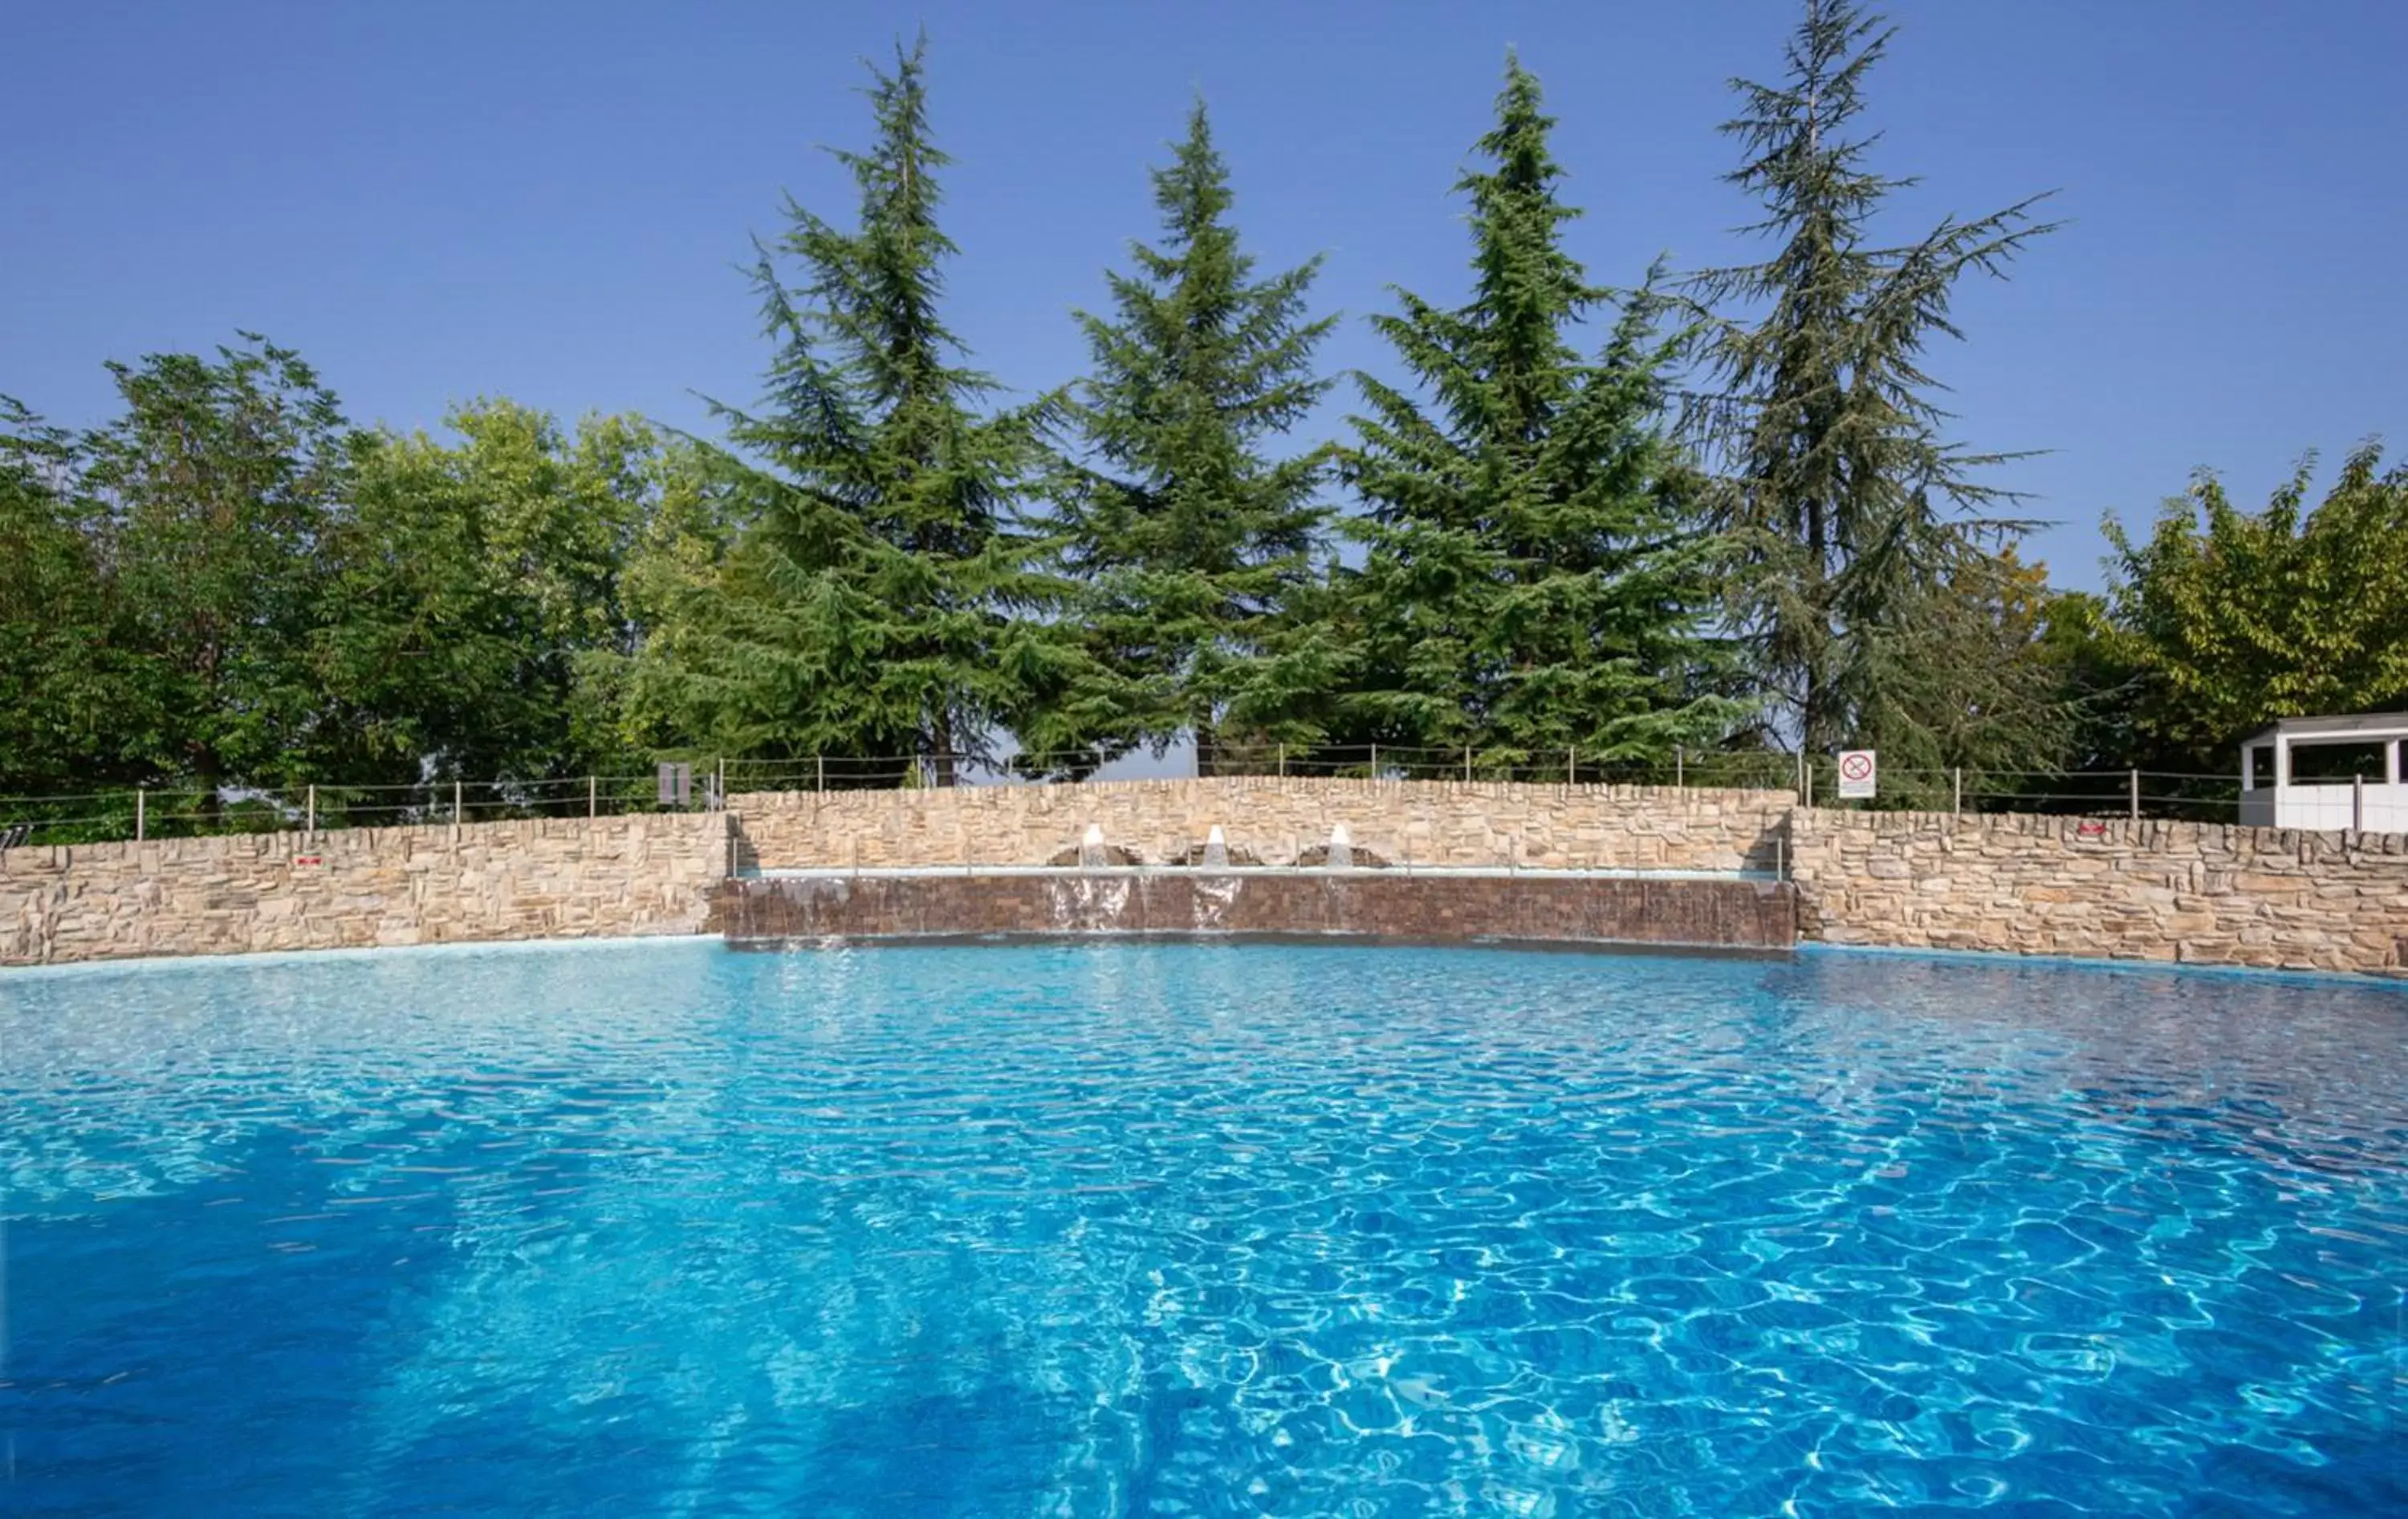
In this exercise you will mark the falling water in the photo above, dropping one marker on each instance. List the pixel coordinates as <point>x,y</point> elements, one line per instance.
<point>1342,849</point>
<point>1216,850</point>
<point>1090,850</point>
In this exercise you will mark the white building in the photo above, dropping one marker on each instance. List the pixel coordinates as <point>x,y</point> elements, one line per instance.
<point>2372,801</point>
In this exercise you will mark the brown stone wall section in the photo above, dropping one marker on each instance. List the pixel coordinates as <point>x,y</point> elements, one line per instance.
<point>1272,819</point>
<point>2164,891</point>
<point>1730,915</point>
<point>538,879</point>
<point>2192,891</point>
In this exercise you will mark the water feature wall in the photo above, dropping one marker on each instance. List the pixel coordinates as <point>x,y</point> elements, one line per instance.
<point>1569,908</point>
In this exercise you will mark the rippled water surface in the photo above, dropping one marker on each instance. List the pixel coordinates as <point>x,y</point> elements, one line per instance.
<point>1198,1229</point>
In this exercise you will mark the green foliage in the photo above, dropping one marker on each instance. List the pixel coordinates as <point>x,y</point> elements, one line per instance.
<point>70,717</point>
<point>473,618</point>
<point>225,596</point>
<point>218,490</point>
<point>1192,544</point>
<point>1854,580</point>
<point>878,602</point>
<point>2226,621</point>
<point>1974,687</point>
<point>1530,583</point>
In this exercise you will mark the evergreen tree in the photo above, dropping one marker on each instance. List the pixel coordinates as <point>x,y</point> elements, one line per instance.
<point>875,604</point>
<point>1838,478</point>
<point>1193,544</point>
<point>1529,584</point>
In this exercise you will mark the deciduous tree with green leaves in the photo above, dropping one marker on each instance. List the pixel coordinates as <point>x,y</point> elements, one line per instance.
<point>220,487</point>
<point>1863,534</point>
<point>2226,619</point>
<point>73,709</point>
<point>474,616</point>
<point>1193,542</point>
<point>1532,581</point>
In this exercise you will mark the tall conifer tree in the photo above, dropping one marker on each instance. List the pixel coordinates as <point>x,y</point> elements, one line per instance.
<point>1192,541</point>
<point>1840,489</point>
<point>873,607</point>
<point>1530,585</point>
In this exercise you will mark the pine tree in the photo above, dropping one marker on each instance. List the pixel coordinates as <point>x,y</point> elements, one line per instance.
<point>873,605</point>
<point>1193,543</point>
<point>1837,476</point>
<point>1529,584</point>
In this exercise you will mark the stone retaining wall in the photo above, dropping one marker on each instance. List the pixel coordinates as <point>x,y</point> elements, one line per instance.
<point>2201,893</point>
<point>539,878</point>
<point>2159,891</point>
<point>1272,820</point>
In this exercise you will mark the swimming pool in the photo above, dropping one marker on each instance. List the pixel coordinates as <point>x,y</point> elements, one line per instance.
<point>1197,1229</point>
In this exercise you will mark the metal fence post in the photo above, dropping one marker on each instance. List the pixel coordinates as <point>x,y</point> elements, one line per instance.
<point>309,818</point>
<point>141,811</point>
<point>1571,764</point>
<point>718,785</point>
<point>2358,804</point>
<point>592,798</point>
<point>819,771</point>
<point>1956,789</point>
<point>1467,762</point>
<point>1680,765</point>
<point>1283,761</point>
<point>455,802</point>
<point>1375,761</point>
<point>2135,777</point>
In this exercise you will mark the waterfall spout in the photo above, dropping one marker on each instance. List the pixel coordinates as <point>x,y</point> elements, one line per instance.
<point>1342,849</point>
<point>1090,850</point>
<point>1216,850</point>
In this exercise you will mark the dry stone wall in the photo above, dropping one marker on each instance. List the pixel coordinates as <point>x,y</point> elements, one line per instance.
<point>2199,893</point>
<point>537,878</point>
<point>1272,820</point>
<point>2158,891</point>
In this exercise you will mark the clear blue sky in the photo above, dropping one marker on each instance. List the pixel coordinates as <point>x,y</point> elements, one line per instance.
<point>434,201</point>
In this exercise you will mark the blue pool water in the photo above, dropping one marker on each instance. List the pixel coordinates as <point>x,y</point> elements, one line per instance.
<point>1198,1229</point>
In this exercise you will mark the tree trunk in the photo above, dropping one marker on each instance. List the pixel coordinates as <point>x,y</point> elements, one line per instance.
<point>211,772</point>
<point>940,739</point>
<point>1811,719</point>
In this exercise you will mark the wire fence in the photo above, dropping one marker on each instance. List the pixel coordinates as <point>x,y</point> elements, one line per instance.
<point>165,812</point>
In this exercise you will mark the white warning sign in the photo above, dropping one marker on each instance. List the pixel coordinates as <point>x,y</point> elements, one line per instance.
<point>1858,770</point>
